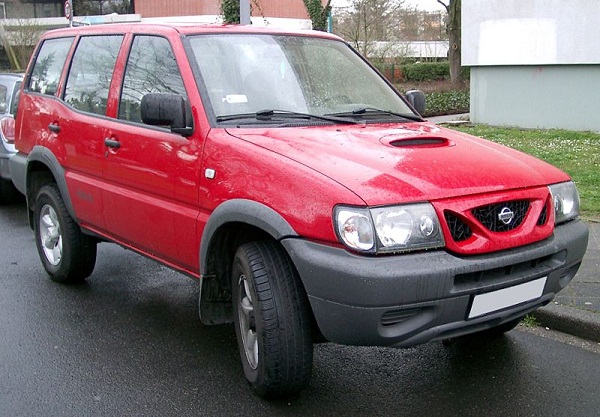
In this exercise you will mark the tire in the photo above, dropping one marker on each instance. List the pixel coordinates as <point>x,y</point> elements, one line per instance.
<point>67,254</point>
<point>8,192</point>
<point>272,320</point>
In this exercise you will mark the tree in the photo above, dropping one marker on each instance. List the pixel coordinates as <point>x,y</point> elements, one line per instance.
<point>318,13</point>
<point>19,37</point>
<point>231,10</point>
<point>367,22</point>
<point>453,7</point>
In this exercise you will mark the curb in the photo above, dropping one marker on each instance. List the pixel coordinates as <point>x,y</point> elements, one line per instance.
<point>574,321</point>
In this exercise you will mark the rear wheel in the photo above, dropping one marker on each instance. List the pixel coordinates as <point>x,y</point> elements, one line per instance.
<point>8,192</point>
<point>272,320</point>
<point>67,254</point>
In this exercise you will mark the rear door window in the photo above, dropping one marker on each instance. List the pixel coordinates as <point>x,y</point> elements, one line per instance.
<point>91,72</point>
<point>48,65</point>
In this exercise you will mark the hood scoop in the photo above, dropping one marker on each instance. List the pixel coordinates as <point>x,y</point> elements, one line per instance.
<point>411,141</point>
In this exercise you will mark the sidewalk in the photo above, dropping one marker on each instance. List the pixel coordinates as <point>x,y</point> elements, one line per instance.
<point>450,118</point>
<point>576,309</point>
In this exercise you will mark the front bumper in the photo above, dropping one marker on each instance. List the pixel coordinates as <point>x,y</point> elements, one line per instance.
<point>408,299</point>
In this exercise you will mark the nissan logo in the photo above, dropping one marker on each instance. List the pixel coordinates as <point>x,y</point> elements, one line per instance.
<point>506,215</point>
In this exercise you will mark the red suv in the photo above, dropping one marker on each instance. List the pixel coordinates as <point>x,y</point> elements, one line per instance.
<point>306,195</point>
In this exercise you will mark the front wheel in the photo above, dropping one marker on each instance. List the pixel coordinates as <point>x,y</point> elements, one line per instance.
<point>67,254</point>
<point>272,320</point>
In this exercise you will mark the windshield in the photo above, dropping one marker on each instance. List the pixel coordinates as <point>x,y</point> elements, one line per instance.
<point>246,74</point>
<point>14,103</point>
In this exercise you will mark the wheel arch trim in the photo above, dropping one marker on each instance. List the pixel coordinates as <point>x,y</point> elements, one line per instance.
<point>242,211</point>
<point>44,156</point>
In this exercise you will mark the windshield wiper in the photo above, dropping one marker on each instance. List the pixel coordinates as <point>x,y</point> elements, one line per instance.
<point>371,111</point>
<point>269,114</point>
<point>239,116</point>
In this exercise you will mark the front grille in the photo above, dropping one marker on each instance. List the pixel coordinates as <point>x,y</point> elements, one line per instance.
<point>543,216</point>
<point>459,230</point>
<point>538,266</point>
<point>491,216</point>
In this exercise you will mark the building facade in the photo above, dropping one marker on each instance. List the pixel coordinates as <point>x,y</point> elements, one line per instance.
<point>287,9</point>
<point>30,9</point>
<point>534,64</point>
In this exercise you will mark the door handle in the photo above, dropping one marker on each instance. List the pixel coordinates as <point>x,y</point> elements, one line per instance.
<point>54,127</point>
<point>112,143</point>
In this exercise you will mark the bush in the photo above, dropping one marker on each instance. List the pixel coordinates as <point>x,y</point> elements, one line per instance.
<point>448,102</point>
<point>422,72</point>
<point>431,71</point>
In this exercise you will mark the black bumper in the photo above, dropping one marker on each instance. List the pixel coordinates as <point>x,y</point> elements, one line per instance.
<point>407,299</point>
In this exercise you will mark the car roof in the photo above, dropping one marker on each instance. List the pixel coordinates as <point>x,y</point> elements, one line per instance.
<point>14,75</point>
<point>184,28</point>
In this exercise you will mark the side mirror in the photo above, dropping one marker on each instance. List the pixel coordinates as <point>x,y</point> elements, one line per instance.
<point>416,98</point>
<point>166,109</point>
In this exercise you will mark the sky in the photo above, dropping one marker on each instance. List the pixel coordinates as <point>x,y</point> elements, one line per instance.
<point>429,5</point>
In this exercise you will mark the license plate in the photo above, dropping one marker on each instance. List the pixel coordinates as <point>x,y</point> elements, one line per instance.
<point>507,297</point>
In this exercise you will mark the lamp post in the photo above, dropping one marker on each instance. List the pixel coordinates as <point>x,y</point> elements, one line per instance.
<point>245,12</point>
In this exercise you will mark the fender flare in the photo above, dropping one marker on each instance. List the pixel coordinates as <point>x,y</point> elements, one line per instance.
<point>46,157</point>
<point>243,211</point>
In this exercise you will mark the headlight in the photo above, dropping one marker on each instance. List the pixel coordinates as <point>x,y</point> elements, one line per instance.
<point>355,228</point>
<point>389,229</point>
<point>566,201</point>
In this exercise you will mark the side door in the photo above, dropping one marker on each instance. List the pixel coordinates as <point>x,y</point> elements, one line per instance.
<point>151,191</point>
<point>82,124</point>
<point>39,98</point>
<point>50,131</point>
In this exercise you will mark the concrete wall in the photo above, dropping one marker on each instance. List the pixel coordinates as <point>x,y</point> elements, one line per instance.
<point>534,63</point>
<point>553,96</point>
<point>530,32</point>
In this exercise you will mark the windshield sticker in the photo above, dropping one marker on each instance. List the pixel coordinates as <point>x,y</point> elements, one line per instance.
<point>235,98</point>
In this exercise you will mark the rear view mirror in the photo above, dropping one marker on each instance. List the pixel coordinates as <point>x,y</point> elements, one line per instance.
<point>166,109</point>
<point>416,98</point>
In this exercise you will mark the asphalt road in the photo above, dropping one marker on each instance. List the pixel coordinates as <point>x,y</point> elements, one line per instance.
<point>129,343</point>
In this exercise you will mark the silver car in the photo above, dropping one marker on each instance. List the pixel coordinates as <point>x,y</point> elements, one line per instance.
<point>10,84</point>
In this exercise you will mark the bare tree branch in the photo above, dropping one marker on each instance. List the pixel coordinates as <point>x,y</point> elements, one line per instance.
<point>446,6</point>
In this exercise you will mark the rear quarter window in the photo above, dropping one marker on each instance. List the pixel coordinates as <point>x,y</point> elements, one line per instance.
<point>48,66</point>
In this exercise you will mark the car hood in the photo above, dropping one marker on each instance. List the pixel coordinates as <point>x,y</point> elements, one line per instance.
<point>385,164</point>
